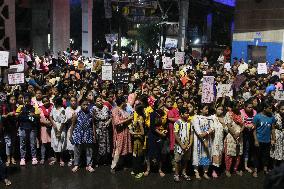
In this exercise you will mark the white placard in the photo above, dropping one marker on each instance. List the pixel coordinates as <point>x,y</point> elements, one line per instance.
<point>261,68</point>
<point>16,78</point>
<point>111,38</point>
<point>227,66</point>
<point>4,58</point>
<point>279,95</point>
<point>171,43</point>
<point>179,58</point>
<point>18,67</point>
<point>224,90</point>
<point>107,73</point>
<point>207,89</point>
<point>167,63</point>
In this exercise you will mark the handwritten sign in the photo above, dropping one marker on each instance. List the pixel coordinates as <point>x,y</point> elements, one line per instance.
<point>207,89</point>
<point>179,58</point>
<point>279,95</point>
<point>16,78</point>
<point>107,73</point>
<point>121,78</point>
<point>224,90</point>
<point>227,66</point>
<point>261,68</point>
<point>167,63</point>
<point>4,58</point>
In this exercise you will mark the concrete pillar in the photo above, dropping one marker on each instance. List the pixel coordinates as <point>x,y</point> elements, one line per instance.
<point>60,22</point>
<point>183,23</point>
<point>40,29</point>
<point>8,42</point>
<point>87,27</point>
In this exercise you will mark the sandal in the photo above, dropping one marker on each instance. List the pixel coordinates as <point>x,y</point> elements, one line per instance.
<point>7,182</point>
<point>146,173</point>
<point>240,173</point>
<point>254,174</point>
<point>14,162</point>
<point>61,164</point>
<point>248,170</point>
<point>90,169</point>
<point>197,176</point>
<point>186,177</point>
<point>206,176</point>
<point>214,174</point>
<point>75,169</point>
<point>228,174</point>
<point>176,178</point>
<point>52,162</point>
<point>162,174</point>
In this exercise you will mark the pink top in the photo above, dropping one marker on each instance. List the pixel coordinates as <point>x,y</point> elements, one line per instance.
<point>172,113</point>
<point>247,120</point>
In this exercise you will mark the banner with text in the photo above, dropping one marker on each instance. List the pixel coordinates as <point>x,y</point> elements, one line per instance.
<point>207,89</point>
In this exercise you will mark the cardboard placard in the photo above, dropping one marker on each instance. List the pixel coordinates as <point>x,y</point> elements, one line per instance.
<point>4,58</point>
<point>16,78</point>
<point>279,95</point>
<point>121,77</point>
<point>207,89</point>
<point>167,63</point>
<point>107,73</point>
<point>261,68</point>
<point>97,65</point>
<point>179,58</point>
<point>224,90</point>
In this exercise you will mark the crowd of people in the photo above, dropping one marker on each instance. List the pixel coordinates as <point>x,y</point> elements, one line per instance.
<point>64,113</point>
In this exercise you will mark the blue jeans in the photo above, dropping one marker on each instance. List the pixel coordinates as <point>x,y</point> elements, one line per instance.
<point>25,134</point>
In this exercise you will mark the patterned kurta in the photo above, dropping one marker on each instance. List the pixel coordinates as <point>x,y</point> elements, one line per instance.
<point>102,132</point>
<point>58,143</point>
<point>217,145</point>
<point>69,114</point>
<point>201,155</point>
<point>121,136</point>
<point>277,152</point>
<point>83,132</point>
<point>230,144</point>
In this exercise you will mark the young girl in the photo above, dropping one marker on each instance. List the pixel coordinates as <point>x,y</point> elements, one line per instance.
<point>218,137</point>
<point>10,129</point>
<point>137,131</point>
<point>72,110</point>
<point>58,132</point>
<point>45,123</point>
<point>202,128</point>
<point>233,144</point>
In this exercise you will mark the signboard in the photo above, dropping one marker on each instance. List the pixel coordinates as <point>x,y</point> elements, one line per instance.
<point>4,58</point>
<point>121,77</point>
<point>171,43</point>
<point>227,66</point>
<point>167,63</point>
<point>261,68</point>
<point>16,78</point>
<point>207,89</point>
<point>97,65</point>
<point>179,58</point>
<point>111,38</point>
<point>224,90</point>
<point>279,95</point>
<point>107,73</point>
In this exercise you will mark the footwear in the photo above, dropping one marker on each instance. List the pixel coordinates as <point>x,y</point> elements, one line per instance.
<point>132,173</point>
<point>228,174</point>
<point>70,163</point>
<point>206,176</point>
<point>162,174</point>
<point>146,173</point>
<point>139,175</point>
<point>240,173</point>
<point>75,169</point>
<point>14,162</point>
<point>197,176</point>
<point>52,162</point>
<point>255,174</point>
<point>176,178</point>
<point>22,162</point>
<point>112,171</point>
<point>8,162</point>
<point>7,182</point>
<point>90,169</point>
<point>41,162</point>
<point>248,169</point>
<point>62,164</point>
<point>186,177</point>
<point>214,174</point>
<point>34,161</point>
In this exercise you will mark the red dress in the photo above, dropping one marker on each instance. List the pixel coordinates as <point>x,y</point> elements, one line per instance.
<point>121,136</point>
<point>172,113</point>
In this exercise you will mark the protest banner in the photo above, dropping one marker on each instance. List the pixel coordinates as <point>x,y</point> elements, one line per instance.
<point>171,43</point>
<point>227,66</point>
<point>16,78</point>
<point>167,63</point>
<point>107,72</point>
<point>207,89</point>
<point>111,39</point>
<point>179,58</point>
<point>4,58</point>
<point>261,68</point>
<point>17,68</point>
<point>279,95</point>
<point>224,90</point>
<point>121,78</point>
